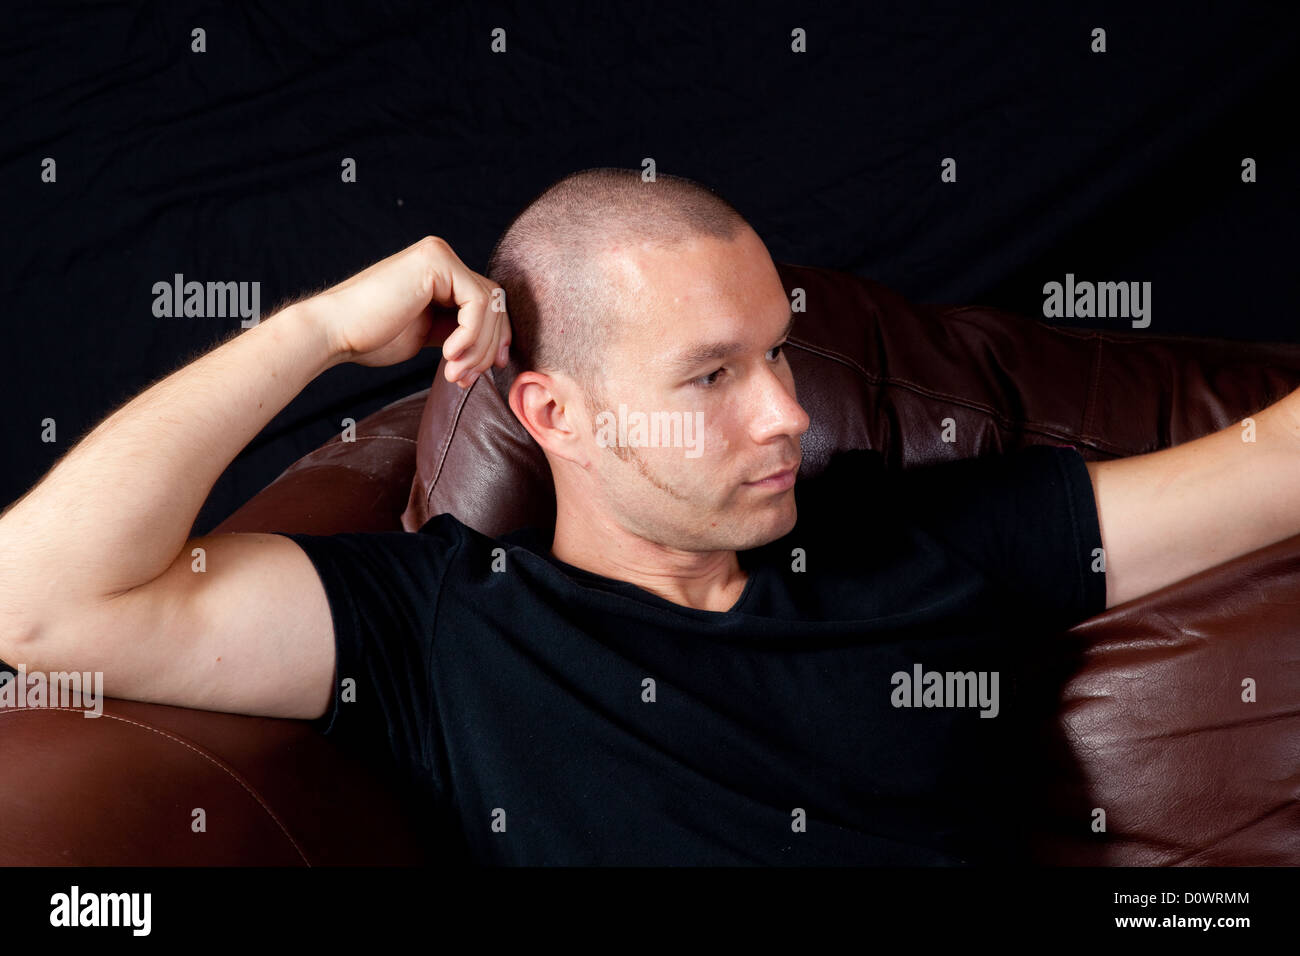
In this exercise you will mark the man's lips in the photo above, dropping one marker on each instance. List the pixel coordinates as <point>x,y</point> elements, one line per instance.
<point>777,479</point>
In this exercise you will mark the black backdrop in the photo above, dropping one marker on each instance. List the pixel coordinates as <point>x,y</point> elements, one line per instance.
<point>225,165</point>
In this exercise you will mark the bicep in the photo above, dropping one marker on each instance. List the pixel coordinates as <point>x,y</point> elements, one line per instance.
<point>238,623</point>
<point>1169,514</point>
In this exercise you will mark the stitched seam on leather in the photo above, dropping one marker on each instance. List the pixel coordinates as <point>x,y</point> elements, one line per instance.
<point>189,746</point>
<point>339,441</point>
<point>444,448</point>
<point>1034,426</point>
<point>308,460</point>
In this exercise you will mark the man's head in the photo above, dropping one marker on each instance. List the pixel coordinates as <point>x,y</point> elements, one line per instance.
<point>621,295</point>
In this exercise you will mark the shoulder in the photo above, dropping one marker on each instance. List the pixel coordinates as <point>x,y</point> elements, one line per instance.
<point>385,561</point>
<point>445,528</point>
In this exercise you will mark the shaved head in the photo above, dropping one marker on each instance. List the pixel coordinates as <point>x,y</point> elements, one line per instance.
<point>559,263</point>
<point>652,304</point>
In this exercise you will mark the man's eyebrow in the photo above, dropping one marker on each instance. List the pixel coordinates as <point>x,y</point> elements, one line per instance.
<point>712,351</point>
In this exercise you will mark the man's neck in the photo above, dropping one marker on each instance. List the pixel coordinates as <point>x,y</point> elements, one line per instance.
<point>706,581</point>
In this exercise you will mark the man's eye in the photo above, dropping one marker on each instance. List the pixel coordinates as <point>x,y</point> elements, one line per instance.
<point>777,350</point>
<point>708,381</point>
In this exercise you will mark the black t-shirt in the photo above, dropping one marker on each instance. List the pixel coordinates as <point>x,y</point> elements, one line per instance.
<point>556,716</point>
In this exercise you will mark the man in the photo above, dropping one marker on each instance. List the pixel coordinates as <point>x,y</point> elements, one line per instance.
<point>705,663</point>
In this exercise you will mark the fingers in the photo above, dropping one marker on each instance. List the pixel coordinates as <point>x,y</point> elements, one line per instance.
<point>503,353</point>
<point>460,339</point>
<point>482,340</point>
<point>378,314</point>
<point>482,332</point>
<point>472,362</point>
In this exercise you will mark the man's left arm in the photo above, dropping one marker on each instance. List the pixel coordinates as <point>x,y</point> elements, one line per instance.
<point>1168,514</point>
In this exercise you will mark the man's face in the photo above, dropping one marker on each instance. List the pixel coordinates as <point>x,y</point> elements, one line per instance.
<point>703,339</point>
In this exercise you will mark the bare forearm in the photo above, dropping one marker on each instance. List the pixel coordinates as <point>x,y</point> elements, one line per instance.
<point>116,510</point>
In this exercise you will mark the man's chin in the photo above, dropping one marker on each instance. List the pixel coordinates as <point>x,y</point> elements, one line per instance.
<point>770,526</point>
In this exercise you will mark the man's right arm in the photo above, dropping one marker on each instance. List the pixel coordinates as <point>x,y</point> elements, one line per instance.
<point>97,566</point>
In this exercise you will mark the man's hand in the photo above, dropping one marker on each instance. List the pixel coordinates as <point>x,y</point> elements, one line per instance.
<point>384,315</point>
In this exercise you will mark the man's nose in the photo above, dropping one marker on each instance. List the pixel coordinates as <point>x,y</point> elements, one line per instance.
<point>778,413</point>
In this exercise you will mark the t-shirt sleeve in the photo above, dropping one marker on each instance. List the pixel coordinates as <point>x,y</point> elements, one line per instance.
<point>1027,518</point>
<point>383,590</point>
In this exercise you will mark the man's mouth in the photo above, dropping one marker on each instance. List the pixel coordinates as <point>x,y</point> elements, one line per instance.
<point>776,481</point>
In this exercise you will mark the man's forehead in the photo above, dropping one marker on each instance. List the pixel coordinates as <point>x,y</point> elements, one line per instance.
<point>686,266</point>
<point>655,285</point>
<point>694,299</point>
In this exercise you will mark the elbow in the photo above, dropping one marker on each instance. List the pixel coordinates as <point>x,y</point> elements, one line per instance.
<point>17,639</point>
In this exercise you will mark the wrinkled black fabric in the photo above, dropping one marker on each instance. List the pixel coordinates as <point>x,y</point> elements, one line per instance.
<point>509,685</point>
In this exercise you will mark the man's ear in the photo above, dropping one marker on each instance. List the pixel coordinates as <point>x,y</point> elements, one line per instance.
<point>545,405</point>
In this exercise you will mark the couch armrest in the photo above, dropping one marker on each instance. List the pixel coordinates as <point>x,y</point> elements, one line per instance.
<point>1145,716</point>
<point>122,789</point>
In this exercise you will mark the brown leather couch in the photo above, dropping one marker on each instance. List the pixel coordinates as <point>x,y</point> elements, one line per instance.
<point>1141,710</point>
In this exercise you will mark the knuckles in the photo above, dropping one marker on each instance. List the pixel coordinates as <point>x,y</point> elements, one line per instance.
<point>432,246</point>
